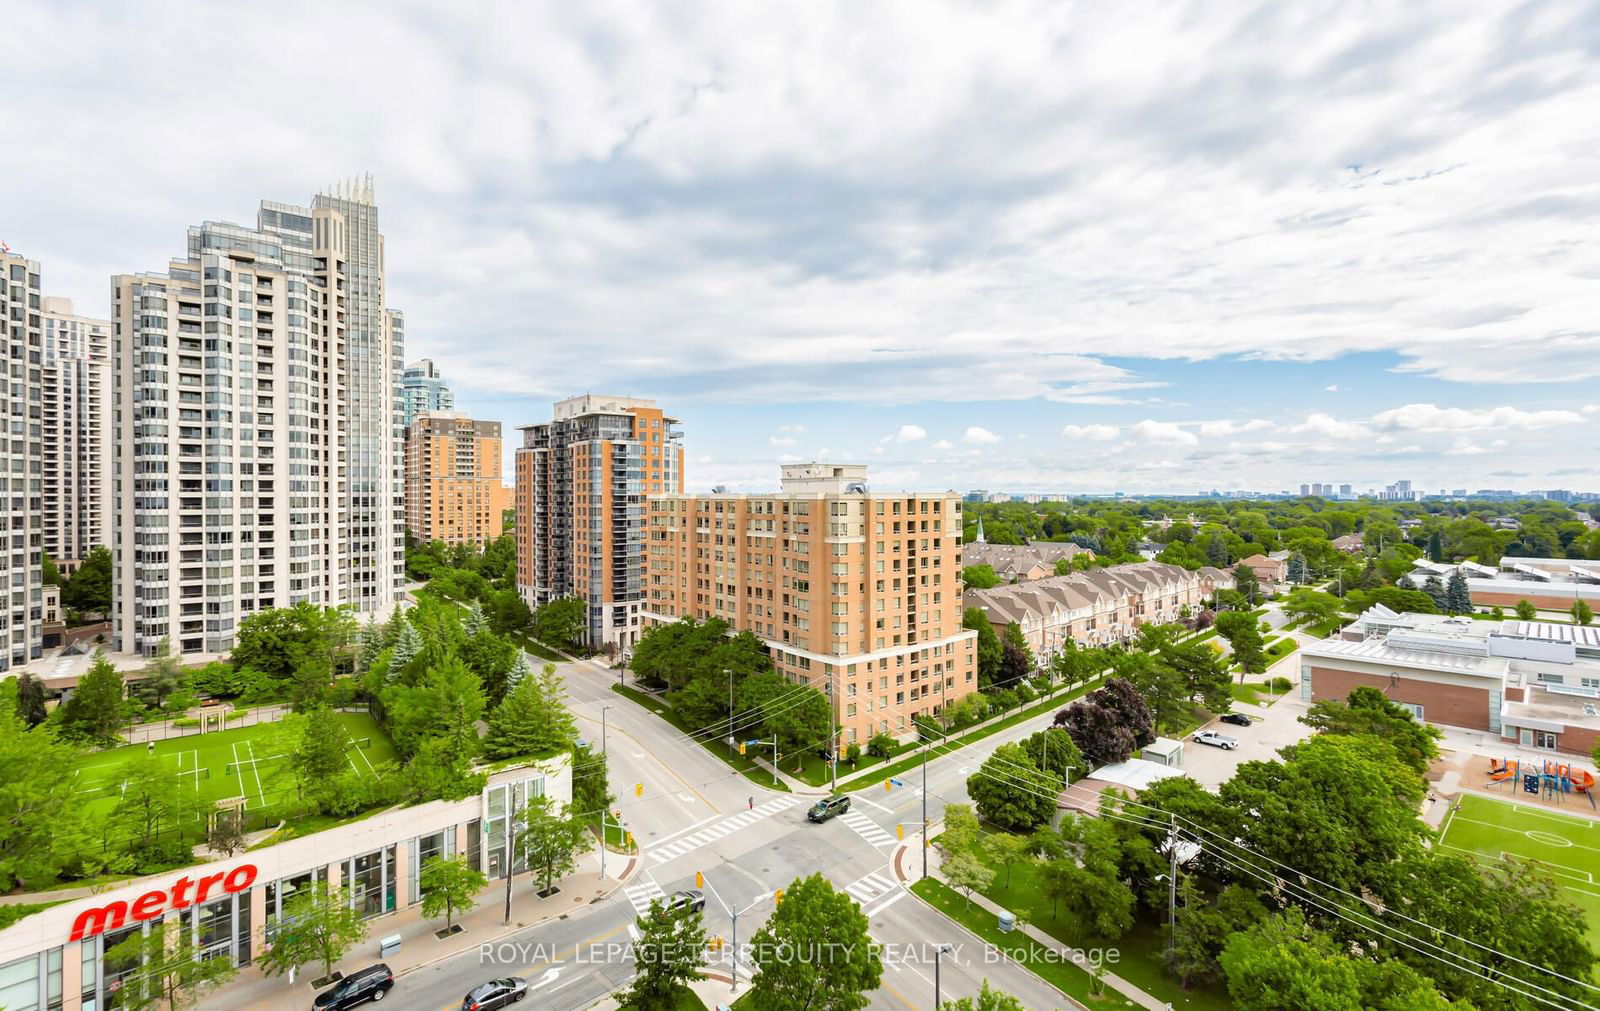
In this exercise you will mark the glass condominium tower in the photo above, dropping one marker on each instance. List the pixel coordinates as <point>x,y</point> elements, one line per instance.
<point>258,440</point>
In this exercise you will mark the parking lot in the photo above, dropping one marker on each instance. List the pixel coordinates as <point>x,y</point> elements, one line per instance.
<point>1275,726</point>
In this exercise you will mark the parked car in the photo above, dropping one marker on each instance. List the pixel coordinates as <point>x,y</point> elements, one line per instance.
<point>693,898</point>
<point>1216,740</point>
<point>1237,719</point>
<point>822,810</point>
<point>495,993</point>
<point>372,983</point>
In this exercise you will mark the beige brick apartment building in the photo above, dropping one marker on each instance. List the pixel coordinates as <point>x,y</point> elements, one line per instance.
<point>453,489</point>
<point>854,592</point>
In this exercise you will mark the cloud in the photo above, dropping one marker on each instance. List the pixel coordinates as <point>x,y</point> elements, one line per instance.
<point>1326,425</point>
<point>1089,433</point>
<point>782,440</point>
<point>1221,429</point>
<point>1430,418</point>
<point>1163,433</point>
<point>907,433</point>
<point>1591,409</point>
<point>943,444</point>
<point>979,437</point>
<point>792,429</point>
<point>1333,388</point>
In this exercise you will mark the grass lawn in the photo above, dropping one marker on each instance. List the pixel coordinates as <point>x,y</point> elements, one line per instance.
<point>228,763</point>
<point>1040,960</point>
<point>684,999</point>
<point>1141,948</point>
<point>744,764</point>
<point>1281,648</point>
<point>956,740</point>
<point>1246,693</point>
<point>1564,845</point>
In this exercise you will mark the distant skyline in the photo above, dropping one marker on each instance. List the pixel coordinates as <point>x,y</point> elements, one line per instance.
<point>1049,247</point>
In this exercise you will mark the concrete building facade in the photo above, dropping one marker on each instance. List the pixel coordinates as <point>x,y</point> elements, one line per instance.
<point>424,389</point>
<point>581,483</point>
<point>453,489</point>
<point>855,593</point>
<point>76,399</point>
<point>257,452</point>
<point>21,462</point>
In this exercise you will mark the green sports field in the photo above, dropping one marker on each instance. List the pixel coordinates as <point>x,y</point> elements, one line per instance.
<point>1568,846</point>
<point>229,763</point>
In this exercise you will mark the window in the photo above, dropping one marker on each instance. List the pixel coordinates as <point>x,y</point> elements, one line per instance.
<point>1413,708</point>
<point>1544,739</point>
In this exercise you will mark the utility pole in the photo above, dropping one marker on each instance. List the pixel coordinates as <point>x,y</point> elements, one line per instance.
<point>603,711</point>
<point>511,849</point>
<point>1172,883</point>
<point>924,809</point>
<point>938,957</point>
<point>729,672</point>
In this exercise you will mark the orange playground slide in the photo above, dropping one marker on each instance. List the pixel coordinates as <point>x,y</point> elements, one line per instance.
<point>1582,779</point>
<point>1501,773</point>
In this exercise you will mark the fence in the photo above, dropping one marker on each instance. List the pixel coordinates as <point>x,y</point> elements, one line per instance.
<point>210,720</point>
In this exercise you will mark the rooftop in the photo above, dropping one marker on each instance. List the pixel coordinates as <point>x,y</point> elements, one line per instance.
<point>1417,654</point>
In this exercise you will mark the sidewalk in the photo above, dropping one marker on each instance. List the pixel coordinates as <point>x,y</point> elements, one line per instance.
<point>1076,956</point>
<point>420,948</point>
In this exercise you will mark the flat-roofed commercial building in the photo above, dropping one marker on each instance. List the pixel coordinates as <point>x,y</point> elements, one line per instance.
<point>1549,584</point>
<point>22,514</point>
<point>1533,684</point>
<point>55,958</point>
<point>856,593</point>
<point>582,479</point>
<point>453,489</point>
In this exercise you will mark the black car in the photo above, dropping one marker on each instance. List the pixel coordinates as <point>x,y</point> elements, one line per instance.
<point>495,993</point>
<point>372,983</point>
<point>693,898</point>
<point>1237,719</point>
<point>822,810</point>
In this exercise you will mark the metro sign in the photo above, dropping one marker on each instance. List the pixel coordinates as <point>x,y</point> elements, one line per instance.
<point>114,915</point>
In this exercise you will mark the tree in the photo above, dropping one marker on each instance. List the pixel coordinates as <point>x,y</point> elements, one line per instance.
<point>1010,791</point>
<point>1435,591</point>
<point>1216,551</point>
<point>966,873</point>
<point>1196,933</point>
<point>533,719</point>
<point>987,1000</point>
<point>550,840</point>
<point>979,577</point>
<point>1297,568</point>
<point>1457,598</point>
<point>1435,547</point>
<point>591,790</point>
<point>1014,637</point>
<point>407,644</point>
<point>1582,613</point>
<point>1096,731</point>
<point>447,702</point>
<point>226,834</point>
<point>562,622</point>
<point>154,803</point>
<point>1006,850</point>
<point>171,968</point>
<point>1128,707</point>
<point>1246,584</point>
<point>1311,607</point>
<point>1087,879</point>
<point>842,964</point>
<point>318,925</point>
<point>31,708</point>
<point>1075,665</point>
<point>1368,711</point>
<point>441,769</point>
<point>39,810</point>
<point>989,649</point>
<point>881,745</point>
<point>89,588</point>
<point>1526,611</point>
<point>448,886</point>
<point>95,710</point>
<point>669,953</point>
<point>1244,636</point>
<point>1015,666</point>
<point>164,673</point>
<point>1054,752</point>
<point>317,752</point>
<point>493,659</point>
<point>960,829</point>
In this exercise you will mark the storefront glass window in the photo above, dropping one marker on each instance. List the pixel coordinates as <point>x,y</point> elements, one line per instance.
<point>366,883</point>
<point>216,928</point>
<point>19,984</point>
<point>90,987</point>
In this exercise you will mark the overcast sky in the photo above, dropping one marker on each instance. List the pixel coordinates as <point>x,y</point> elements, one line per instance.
<point>1053,247</point>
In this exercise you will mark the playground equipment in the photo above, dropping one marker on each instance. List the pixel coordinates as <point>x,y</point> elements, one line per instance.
<point>1549,779</point>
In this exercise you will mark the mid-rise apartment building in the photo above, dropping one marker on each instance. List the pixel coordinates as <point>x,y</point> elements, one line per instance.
<point>424,389</point>
<point>76,400</point>
<point>21,462</point>
<point>453,489</point>
<point>581,484</point>
<point>257,452</point>
<point>855,593</point>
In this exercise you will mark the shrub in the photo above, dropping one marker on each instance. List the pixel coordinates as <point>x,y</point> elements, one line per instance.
<point>185,722</point>
<point>881,746</point>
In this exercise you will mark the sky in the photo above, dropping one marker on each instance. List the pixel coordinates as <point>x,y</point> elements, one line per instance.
<point>1055,247</point>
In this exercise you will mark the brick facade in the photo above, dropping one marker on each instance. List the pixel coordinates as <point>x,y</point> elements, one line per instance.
<point>1449,704</point>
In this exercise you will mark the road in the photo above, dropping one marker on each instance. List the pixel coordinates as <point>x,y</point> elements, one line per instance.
<point>698,815</point>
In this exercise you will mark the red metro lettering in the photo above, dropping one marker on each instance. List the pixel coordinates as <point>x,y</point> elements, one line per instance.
<point>115,915</point>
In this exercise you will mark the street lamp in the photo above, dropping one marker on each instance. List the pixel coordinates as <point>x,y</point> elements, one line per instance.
<point>938,957</point>
<point>603,711</point>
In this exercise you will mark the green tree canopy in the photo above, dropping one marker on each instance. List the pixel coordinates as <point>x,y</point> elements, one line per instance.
<point>828,926</point>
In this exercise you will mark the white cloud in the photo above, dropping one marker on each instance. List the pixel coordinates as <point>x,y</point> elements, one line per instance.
<point>1333,388</point>
<point>1464,446</point>
<point>979,436</point>
<point>1089,433</point>
<point>1163,433</point>
<point>1318,423</point>
<point>782,440</point>
<point>1222,429</point>
<point>1591,409</point>
<point>1431,418</point>
<point>944,444</point>
<point>907,433</point>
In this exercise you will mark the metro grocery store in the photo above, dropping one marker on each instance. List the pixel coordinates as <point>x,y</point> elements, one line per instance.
<point>56,957</point>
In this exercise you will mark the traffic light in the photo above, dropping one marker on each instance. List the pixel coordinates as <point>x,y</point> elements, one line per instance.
<point>886,786</point>
<point>638,789</point>
<point>899,831</point>
<point>716,943</point>
<point>777,896</point>
<point>699,879</point>
<point>741,747</point>
<point>630,840</point>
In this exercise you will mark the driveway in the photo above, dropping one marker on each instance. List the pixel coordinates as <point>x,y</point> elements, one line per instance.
<point>1276,725</point>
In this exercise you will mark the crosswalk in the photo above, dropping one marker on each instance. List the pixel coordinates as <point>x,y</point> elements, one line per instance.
<point>668,852</point>
<point>868,887</point>
<point>641,894</point>
<point>867,829</point>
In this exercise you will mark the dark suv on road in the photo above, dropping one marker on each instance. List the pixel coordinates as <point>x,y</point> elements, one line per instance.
<point>372,983</point>
<point>822,810</point>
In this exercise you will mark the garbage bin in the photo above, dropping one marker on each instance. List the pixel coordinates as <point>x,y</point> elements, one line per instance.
<point>388,945</point>
<point>1007,921</point>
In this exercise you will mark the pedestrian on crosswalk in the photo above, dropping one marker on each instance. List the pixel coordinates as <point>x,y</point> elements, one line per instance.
<point>752,802</point>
